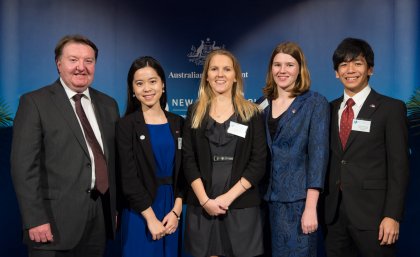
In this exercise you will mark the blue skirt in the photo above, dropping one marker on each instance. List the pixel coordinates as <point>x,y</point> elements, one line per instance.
<point>287,238</point>
<point>136,238</point>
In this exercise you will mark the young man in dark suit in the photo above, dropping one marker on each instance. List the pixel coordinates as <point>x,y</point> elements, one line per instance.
<point>368,169</point>
<point>63,158</point>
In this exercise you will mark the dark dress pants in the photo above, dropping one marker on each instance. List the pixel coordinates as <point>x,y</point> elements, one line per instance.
<point>92,242</point>
<point>343,239</point>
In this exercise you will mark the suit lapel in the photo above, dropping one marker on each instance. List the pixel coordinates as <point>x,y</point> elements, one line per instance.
<point>100,117</point>
<point>60,99</point>
<point>267,113</point>
<point>335,138</point>
<point>240,142</point>
<point>143,137</point>
<point>175,131</point>
<point>369,107</point>
<point>291,112</point>
<point>203,148</point>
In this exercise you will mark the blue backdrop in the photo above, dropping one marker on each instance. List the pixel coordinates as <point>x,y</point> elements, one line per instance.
<point>178,33</point>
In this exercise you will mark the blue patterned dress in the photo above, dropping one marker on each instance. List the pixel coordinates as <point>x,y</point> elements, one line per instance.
<point>136,238</point>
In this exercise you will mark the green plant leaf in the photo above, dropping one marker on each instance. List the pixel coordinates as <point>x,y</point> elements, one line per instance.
<point>5,116</point>
<point>413,111</point>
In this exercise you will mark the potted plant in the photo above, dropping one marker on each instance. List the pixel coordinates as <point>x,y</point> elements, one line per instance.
<point>5,119</point>
<point>413,111</point>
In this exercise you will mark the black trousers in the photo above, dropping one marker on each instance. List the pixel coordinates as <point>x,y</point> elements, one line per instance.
<point>93,240</point>
<point>343,239</point>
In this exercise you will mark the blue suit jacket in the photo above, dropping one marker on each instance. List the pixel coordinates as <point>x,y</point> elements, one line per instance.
<point>299,148</point>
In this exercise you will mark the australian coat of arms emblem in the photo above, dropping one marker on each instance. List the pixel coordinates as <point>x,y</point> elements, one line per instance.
<point>198,54</point>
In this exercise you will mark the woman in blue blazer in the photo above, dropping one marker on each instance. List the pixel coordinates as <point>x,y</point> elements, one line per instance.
<point>149,144</point>
<point>297,128</point>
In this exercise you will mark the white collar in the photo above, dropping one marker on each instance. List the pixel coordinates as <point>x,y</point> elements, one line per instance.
<point>360,97</point>
<point>70,93</point>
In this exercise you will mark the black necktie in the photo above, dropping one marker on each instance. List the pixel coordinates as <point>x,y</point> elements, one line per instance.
<point>101,173</point>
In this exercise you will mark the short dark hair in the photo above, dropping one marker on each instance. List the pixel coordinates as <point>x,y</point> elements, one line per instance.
<point>73,39</point>
<point>146,61</point>
<point>350,48</point>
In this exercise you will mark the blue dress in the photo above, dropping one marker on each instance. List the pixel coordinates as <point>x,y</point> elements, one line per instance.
<point>136,238</point>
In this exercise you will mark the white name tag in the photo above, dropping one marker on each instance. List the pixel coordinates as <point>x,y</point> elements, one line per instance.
<point>179,143</point>
<point>237,129</point>
<point>361,125</point>
<point>263,105</point>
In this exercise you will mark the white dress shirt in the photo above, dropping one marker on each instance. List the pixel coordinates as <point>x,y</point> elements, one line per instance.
<point>358,98</point>
<point>88,108</point>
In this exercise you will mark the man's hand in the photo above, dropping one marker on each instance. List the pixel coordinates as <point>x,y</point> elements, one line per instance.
<point>389,230</point>
<point>41,234</point>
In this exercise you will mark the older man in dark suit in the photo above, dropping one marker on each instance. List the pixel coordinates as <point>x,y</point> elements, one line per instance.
<point>368,171</point>
<point>63,158</point>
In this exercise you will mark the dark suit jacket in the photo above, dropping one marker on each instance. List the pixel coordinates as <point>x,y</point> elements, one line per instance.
<point>373,168</point>
<point>249,159</point>
<point>50,163</point>
<point>137,163</point>
<point>299,149</point>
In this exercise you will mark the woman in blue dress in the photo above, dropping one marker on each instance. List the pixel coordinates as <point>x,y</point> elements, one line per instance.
<point>297,129</point>
<point>149,143</point>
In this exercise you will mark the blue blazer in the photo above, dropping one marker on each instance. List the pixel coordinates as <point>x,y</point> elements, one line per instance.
<point>299,149</point>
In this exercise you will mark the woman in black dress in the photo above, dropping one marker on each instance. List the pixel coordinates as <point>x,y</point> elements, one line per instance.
<point>224,158</point>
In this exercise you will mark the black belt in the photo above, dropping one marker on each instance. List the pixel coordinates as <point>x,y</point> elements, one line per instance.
<point>165,181</point>
<point>217,158</point>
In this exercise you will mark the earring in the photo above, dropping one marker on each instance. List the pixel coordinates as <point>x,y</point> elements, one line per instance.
<point>163,90</point>
<point>134,95</point>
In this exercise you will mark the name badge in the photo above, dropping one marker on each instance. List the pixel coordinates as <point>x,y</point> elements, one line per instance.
<point>179,143</point>
<point>237,129</point>
<point>263,105</point>
<point>361,125</point>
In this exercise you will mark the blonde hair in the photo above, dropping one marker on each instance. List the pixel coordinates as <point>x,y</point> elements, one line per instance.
<point>303,81</point>
<point>242,107</point>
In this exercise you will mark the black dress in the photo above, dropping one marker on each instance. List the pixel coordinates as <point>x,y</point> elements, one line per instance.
<point>239,231</point>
